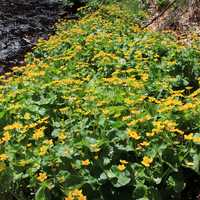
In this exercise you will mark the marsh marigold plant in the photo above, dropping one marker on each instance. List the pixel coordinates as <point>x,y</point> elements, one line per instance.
<point>103,109</point>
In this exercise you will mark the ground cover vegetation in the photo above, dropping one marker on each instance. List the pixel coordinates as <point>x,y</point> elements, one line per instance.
<point>102,110</point>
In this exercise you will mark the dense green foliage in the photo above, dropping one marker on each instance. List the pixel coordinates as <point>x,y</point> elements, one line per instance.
<point>103,107</point>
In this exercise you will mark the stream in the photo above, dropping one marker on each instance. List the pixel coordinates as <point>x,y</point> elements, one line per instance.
<point>22,22</point>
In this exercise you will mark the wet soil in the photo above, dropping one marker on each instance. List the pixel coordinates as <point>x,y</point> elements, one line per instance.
<point>22,22</point>
<point>192,187</point>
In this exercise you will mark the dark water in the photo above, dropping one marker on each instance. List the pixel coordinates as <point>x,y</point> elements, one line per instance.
<point>22,22</point>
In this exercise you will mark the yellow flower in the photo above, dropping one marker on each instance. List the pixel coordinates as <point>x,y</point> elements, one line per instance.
<point>153,100</point>
<point>150,134</point>
<point>125,118</point>
<point>147,161</point>
<point>144,143</point>
<point>123,162</point>
<point>138,55</point>
<point>145,118</point>
<point>187,106</point>
<point>95,148</point>
<point>29,145</point>
<point>195,93</point>
<point>27,116</point>
<point>85,162</point>
<point>39,133</point>
<point>63,110</point>
<point>136,29</point>
<point>133,134</point>
<point>188,137</point>
<point>105,112</point>
<point>77,192</point>
<point>49,142</point>
<point>69,198</point>
<point>132,123</point>
<point>6,137</point>
<point>43,150</point>
<point>61,179</point>
<point>129,101</point>
<point>121,167</point>
<point>82,198</point>
<point>76,195</point>
<point>23,162</point>
<point>3,157</point>
<point>13,126</point>
<point>189,163</point>
<point>176,131</point>
<point>170,101</point>
<point>43,120</point>
<point>196,139</point>
<point>144,76</point>
<point>78,31</point>
<point>42,177</point>
<point>62,136</point>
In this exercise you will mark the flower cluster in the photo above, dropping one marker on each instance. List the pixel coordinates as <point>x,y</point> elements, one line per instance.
<point>75,195</point>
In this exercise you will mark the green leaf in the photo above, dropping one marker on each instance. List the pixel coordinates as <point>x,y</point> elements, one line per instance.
<point>110,174</point>
<point>179,182</point>
<point>2,114</point>
<point>103,177</point>
<point>40,194</point>
<point>122,180</point>
<point>72,180</point>
<point>140,191</point>
<point>117,124</point>
<point>176,182</point>
<point>106,161</point>
<point>171,161</point>
<point>196,163</point>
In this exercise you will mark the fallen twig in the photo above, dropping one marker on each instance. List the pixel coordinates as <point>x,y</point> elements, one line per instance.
<point>160,14</point>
